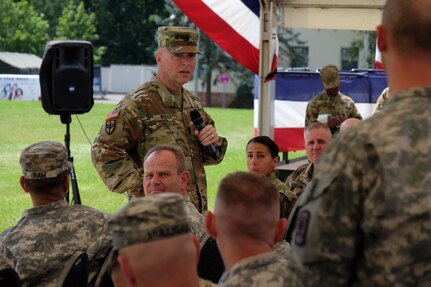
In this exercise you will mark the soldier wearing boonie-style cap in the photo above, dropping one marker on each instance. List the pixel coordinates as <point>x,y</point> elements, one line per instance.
<point>67,228</point>
<point>330,106</point>
<point>158,112</point>
<point>154,242</point>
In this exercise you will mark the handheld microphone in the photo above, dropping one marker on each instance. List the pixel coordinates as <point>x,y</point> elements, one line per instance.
<point>199,124</point>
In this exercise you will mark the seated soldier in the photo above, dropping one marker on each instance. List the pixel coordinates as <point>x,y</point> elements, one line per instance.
<point>347,124</point>
<point>262,158</point>
<point>52,231</point>
<point>317,137</point>
<point>381,100</point>
<point>154,242</point>
<point>247,226</point>
<point>165,171</point>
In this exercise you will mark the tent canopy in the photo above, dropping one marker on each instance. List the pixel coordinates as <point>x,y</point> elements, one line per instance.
<point>19,63</point>
<point>332,14</point>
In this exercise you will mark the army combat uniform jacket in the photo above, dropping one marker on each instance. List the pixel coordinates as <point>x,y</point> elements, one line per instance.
<point>149,116</point>
<point>47,236</point>
<point>266,269</point>
<point>196,220</point>
<point>287,198</point>
<point>341,106</point>
<point>365,217</point>
<point>298,180</point>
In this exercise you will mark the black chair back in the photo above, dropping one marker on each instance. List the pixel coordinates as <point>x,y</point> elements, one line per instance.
<point>210,266</point>
<point>8,277</point>
<point>75,273</point>
<point>103,278</point>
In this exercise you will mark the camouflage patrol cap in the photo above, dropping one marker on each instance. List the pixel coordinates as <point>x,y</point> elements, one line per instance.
<point>46,159</point>
<point>149,218</point>
<point>330,77</point>
<point>178,39</point>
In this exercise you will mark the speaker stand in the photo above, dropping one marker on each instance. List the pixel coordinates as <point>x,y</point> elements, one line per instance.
<point>76,199</point>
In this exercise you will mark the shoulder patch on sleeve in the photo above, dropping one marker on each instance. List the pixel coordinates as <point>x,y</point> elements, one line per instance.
<point>112,115</point>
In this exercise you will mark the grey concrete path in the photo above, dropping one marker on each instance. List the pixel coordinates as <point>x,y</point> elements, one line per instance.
<point>108,98</point>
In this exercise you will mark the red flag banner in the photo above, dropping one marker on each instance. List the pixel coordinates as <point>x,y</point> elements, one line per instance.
<point>378,59</point>
<point>233,24</point>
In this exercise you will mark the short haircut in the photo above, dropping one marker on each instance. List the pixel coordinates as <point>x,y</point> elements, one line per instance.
<point>254,200</point>
<point>46,185</point>
<point>177,151</point>
<point>316,125</point>
<point>266,141</point>
<point>410,23</point>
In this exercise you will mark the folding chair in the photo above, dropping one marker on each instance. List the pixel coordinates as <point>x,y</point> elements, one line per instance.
<point>75,273</point>
<point>8,277</point>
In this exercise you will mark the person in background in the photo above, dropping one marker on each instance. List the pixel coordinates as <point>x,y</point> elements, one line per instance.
<point>50,232</point>
<point>262,158</point>
<point>330,106</point>
<point>365,219</point>
<point>247,226</point>
<point>154,242</point>
<point>381,100</point>
<point>347,124</point>
<point>317,138</point>
<point>165,171</point>
<point>158,112</point>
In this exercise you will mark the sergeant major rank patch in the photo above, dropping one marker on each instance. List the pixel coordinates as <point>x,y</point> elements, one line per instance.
<point>110,126</point>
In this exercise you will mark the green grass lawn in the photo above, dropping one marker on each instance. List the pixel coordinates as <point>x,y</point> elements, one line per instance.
<point>23,123</point>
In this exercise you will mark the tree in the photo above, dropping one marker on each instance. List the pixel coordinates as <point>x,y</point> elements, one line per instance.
<point>22,28</point>
<point>127,29</point>
<point>76,24</point>
<point>366,41</point>
<point>51,10</point>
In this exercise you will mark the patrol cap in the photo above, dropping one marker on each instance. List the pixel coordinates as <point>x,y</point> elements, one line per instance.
<point>147,219</point>
<point>330,77</point>
<point>46,159</point>
<point>178,39</point>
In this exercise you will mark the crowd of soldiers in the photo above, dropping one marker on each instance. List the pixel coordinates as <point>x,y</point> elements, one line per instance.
<point>357,214</point>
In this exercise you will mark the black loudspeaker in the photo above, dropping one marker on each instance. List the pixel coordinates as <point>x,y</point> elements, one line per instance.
<point>66,77</point>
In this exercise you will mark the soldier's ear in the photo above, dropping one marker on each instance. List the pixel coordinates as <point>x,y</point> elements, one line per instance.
<point>280,229</point>
<point>23,185</point>
<point>127,271</point>
<point>210,224</point>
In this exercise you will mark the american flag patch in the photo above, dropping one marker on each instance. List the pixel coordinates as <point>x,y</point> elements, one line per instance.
<point>112,115</point>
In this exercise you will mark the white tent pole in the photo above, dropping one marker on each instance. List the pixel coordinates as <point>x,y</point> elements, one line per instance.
<point>268,28</point>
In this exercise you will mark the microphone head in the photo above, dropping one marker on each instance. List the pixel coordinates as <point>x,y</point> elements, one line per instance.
<point>196,117</point>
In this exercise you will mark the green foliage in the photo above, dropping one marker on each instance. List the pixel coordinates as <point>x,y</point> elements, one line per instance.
<point>76,24</point>
<point>128,28</point>
<point>23,29</point>
<point>364,39</point>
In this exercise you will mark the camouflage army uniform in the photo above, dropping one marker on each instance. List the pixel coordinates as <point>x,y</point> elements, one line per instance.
<point>341,106</point>
<point>381,100</point>
<point>298,180</point>
<point>287,198</point>
<point>149,116</point>
<point>365,218</point>
<point>196,220</point>
<point>46,236</point>
<point>266,269</point>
